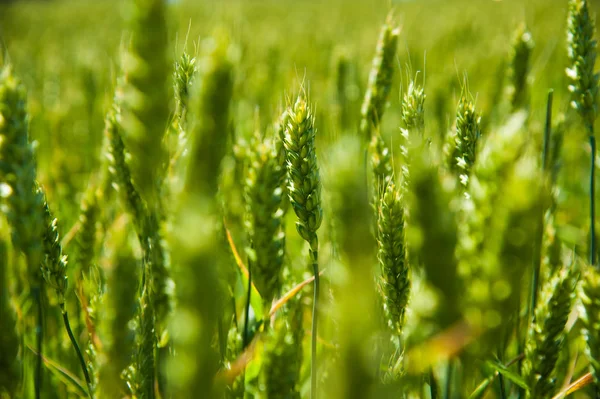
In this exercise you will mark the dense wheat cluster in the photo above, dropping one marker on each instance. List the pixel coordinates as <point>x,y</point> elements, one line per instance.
<point>294,199</point>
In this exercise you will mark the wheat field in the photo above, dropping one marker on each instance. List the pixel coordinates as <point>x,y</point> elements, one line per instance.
<point>299,199</point>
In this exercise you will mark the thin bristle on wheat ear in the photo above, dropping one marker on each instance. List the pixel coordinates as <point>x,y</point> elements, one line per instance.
<point>304,191</point>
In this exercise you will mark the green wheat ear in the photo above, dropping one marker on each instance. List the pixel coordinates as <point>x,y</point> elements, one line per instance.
<point>18,174</point>
<point>24,203</point>
<point>183,79</point>
<point>209,111</point>
<point>146,104</point>
<point>380,79</point>
<point>395,279</point>
<point>547,332</point>
<point>304,191</point>
<point>413,108</point>
<point>86,239</point>
<point>581,50</point>
<point>264,220</point>
<point>184,75</point>
<point>584,89</point>
<point>590,298</point>
<point>383,170</point>
<point>413,119</point>
<point>303,172</point>
<point>519,64</point>
<point>463,142</point>
<point>54,266</point>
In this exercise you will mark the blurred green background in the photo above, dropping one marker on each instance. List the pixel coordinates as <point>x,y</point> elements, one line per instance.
<point>67,53</point>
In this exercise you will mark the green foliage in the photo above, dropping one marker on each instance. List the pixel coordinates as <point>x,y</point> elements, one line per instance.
<point>421,231</point>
